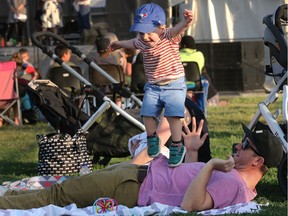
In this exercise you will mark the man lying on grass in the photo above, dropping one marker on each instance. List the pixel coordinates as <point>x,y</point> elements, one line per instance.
<point>215,184</point>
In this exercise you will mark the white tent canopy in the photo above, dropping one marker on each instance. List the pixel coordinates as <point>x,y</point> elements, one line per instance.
<point>230,20</point>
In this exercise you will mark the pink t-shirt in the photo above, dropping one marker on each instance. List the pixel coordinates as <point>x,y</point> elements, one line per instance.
<point>168,185</point>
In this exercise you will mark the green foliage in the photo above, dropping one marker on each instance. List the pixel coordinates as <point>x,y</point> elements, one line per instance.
<point>19,150</point>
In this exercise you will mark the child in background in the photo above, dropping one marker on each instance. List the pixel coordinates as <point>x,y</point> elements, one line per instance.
<point>30,69</point>
<point>166,86</point>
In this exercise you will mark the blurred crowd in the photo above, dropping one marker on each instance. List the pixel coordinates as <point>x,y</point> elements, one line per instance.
<point>48,16</point>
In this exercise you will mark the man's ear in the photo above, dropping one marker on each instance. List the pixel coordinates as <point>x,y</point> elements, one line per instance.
<point>258,161</point>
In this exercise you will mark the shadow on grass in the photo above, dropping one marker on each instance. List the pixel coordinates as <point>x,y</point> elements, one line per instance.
<point>270,191</point>
<point>11,171</point>
<point>274,209</point>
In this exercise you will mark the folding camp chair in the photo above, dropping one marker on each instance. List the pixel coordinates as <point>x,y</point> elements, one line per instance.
<point>68,82</point>
<point>9,94</point>
<point>115,71</point>
<point>65,80</point>
<point>196,85</point>
<point>138,79</point>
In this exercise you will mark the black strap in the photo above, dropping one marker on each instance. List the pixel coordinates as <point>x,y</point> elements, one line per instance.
<point>142,173</point>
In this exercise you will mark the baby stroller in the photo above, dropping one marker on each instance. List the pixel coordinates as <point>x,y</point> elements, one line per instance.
<point>109,126</point>
<point>277,43</point>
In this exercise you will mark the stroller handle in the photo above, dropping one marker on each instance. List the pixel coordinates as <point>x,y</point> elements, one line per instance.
<point>77,52</point>
<point>37,35</point>
<point>99,94</point>
<point>282,55</point>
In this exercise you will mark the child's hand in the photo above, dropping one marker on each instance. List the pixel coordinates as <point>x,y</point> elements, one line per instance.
<point>188,17</point>
<point>113,46</point>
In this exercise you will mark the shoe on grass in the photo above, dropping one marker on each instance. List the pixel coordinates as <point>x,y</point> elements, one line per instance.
<point>177,153</point>
<point>153,144</point>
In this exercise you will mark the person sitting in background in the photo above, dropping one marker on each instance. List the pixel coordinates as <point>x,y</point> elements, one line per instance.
<point>24,77</point>
<point>30,69</point>
<point>105,57</point>
<point>64,54</point>
<point>215,184</point>
<point>189,53</point>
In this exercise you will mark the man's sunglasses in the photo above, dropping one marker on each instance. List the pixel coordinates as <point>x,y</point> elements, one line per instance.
<point>246,145</point>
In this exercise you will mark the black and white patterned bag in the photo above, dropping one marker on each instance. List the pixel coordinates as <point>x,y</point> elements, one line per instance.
<point>62,154</point>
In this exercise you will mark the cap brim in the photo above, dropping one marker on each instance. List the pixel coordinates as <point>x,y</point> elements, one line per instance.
<point>143,28</point>
<point>247,132</point>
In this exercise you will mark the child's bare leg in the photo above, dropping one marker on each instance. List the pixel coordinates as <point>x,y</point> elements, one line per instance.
<point>175,128</point>
<point>16,115</point>
<point>150,125</point>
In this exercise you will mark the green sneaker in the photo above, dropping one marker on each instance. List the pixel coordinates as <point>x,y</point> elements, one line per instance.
<point>153,144</point>
<point>176,156</point>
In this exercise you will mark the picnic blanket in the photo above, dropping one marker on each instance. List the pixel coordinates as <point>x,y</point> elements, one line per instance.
<point>40,182</point>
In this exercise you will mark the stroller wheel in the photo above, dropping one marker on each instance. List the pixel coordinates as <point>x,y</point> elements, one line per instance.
<point>282,174</point>
<point>103,162</point>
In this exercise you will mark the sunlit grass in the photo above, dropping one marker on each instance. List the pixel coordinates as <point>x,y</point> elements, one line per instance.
<point>19,149</point>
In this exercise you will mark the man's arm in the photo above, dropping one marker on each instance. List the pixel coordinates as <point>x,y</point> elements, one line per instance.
<point>183,25</point>
<point>196,198</point>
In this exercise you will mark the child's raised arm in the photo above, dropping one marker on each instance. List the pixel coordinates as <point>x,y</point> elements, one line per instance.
<point>127,44</point>
<point>183,25</point>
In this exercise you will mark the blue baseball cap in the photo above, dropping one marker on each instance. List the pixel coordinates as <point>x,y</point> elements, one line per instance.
<point>147,18</point>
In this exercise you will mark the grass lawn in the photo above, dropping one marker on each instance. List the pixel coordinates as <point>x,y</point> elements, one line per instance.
<point>19,150</point>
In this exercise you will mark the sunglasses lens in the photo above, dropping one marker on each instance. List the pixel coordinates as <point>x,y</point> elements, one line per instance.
<point>245,144</point>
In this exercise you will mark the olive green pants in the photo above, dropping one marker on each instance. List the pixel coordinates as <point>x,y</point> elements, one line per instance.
<point>118,182</point>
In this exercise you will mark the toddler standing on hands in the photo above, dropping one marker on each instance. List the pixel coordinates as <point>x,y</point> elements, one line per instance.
<point>166,86</point>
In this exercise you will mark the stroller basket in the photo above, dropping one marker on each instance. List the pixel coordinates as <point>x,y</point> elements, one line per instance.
<point>109,134</point>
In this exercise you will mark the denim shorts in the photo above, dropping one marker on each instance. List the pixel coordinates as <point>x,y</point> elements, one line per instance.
<point>170,97</point>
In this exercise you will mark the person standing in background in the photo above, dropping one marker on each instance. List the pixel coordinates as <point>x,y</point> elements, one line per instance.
<point>17,21</point>
<point>83,9</point>
<point>52,16</point>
